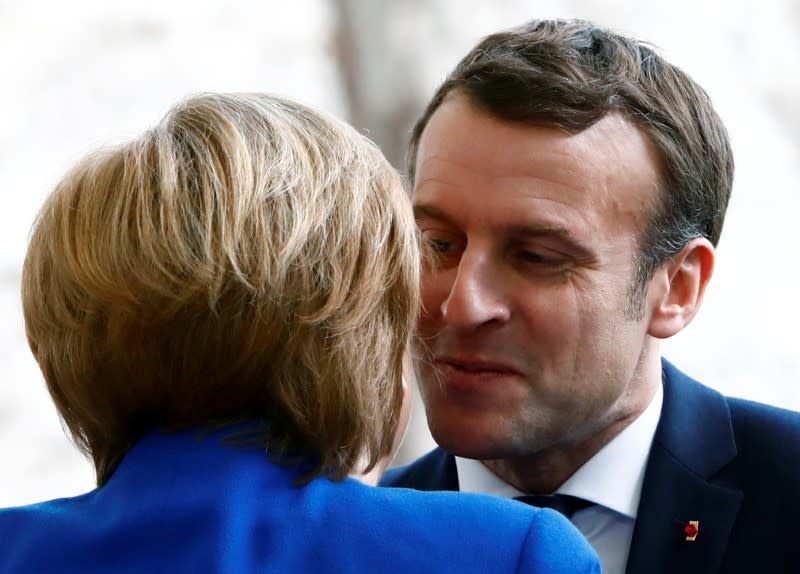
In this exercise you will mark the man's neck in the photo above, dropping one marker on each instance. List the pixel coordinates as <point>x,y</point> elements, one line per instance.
<point>543,472</point>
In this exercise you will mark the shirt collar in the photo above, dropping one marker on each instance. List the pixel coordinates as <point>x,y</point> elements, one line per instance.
<point>611,478</point>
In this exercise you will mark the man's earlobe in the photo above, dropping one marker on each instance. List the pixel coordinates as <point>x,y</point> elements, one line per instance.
<point>683,280</point>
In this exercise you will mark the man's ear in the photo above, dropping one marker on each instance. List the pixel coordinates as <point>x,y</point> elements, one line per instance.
<point>678,287</point>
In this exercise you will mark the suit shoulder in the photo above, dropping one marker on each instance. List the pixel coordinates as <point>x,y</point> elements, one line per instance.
<point>762,426</point>
<point>766,467</point>
<point>435,470</point>
<point>481,533</point>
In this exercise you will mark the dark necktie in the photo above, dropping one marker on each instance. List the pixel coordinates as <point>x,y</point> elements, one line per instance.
<point>563,503</point>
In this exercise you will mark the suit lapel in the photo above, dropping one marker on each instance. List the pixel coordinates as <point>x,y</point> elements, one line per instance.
<point>694,440</point>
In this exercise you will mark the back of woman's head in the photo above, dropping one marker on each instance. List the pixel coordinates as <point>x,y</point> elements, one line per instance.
<point>248,258</point>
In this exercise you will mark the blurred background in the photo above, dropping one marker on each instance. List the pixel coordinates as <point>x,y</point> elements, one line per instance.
<point>86,73</point>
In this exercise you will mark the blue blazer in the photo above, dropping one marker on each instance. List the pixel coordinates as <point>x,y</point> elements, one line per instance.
<point>178,503</point>
<point>732,465</point>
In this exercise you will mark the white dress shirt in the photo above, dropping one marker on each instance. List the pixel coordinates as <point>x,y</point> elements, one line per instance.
<point>611,479</point>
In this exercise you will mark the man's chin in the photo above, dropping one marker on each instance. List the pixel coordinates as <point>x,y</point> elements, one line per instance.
<point>475,444</point>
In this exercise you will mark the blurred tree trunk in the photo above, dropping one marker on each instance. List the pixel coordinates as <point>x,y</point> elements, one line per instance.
<point>377,48</point>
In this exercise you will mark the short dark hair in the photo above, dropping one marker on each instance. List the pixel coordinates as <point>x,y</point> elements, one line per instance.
<point>569,74</point>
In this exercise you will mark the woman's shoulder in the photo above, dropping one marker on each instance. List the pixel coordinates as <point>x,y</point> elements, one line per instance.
<point>479,533</point>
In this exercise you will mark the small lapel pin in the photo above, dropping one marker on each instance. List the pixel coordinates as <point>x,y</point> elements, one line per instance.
<point>691,530</point>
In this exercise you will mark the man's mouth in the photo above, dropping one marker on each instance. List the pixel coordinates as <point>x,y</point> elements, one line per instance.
<point>476,365</point>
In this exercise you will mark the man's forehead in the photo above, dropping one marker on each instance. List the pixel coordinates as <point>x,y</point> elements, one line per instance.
<point>463,146</point>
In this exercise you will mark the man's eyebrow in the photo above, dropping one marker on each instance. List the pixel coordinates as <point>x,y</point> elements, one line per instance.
<point>567,238</point>
<point>524,230</point>
<point>428,211</point>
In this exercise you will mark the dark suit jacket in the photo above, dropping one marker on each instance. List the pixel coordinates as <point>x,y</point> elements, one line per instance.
<point>178,503</point>
<point>732,465</point>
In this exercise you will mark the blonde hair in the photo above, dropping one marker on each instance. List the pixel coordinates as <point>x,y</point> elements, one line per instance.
<point>248,258</point>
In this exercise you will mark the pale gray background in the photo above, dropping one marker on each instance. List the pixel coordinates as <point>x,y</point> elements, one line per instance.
<point>88,72</point>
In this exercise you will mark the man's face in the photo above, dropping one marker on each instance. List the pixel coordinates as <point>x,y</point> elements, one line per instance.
<point>523,343</point>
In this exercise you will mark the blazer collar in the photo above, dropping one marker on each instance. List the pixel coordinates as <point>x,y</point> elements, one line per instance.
<point>694,441</point>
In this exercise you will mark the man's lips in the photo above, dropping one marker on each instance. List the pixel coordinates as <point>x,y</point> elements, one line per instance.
<point>475,366</point>
<point>475,381</point>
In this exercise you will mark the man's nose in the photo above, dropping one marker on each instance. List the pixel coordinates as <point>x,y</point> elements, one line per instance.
<point>476,296</point>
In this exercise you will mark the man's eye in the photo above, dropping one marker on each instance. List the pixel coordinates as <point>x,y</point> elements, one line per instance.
<point>440,245</point>
<point>442,251</point>
<point>533,257</point>
<point>541,260</point>
<point>438,242</point>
